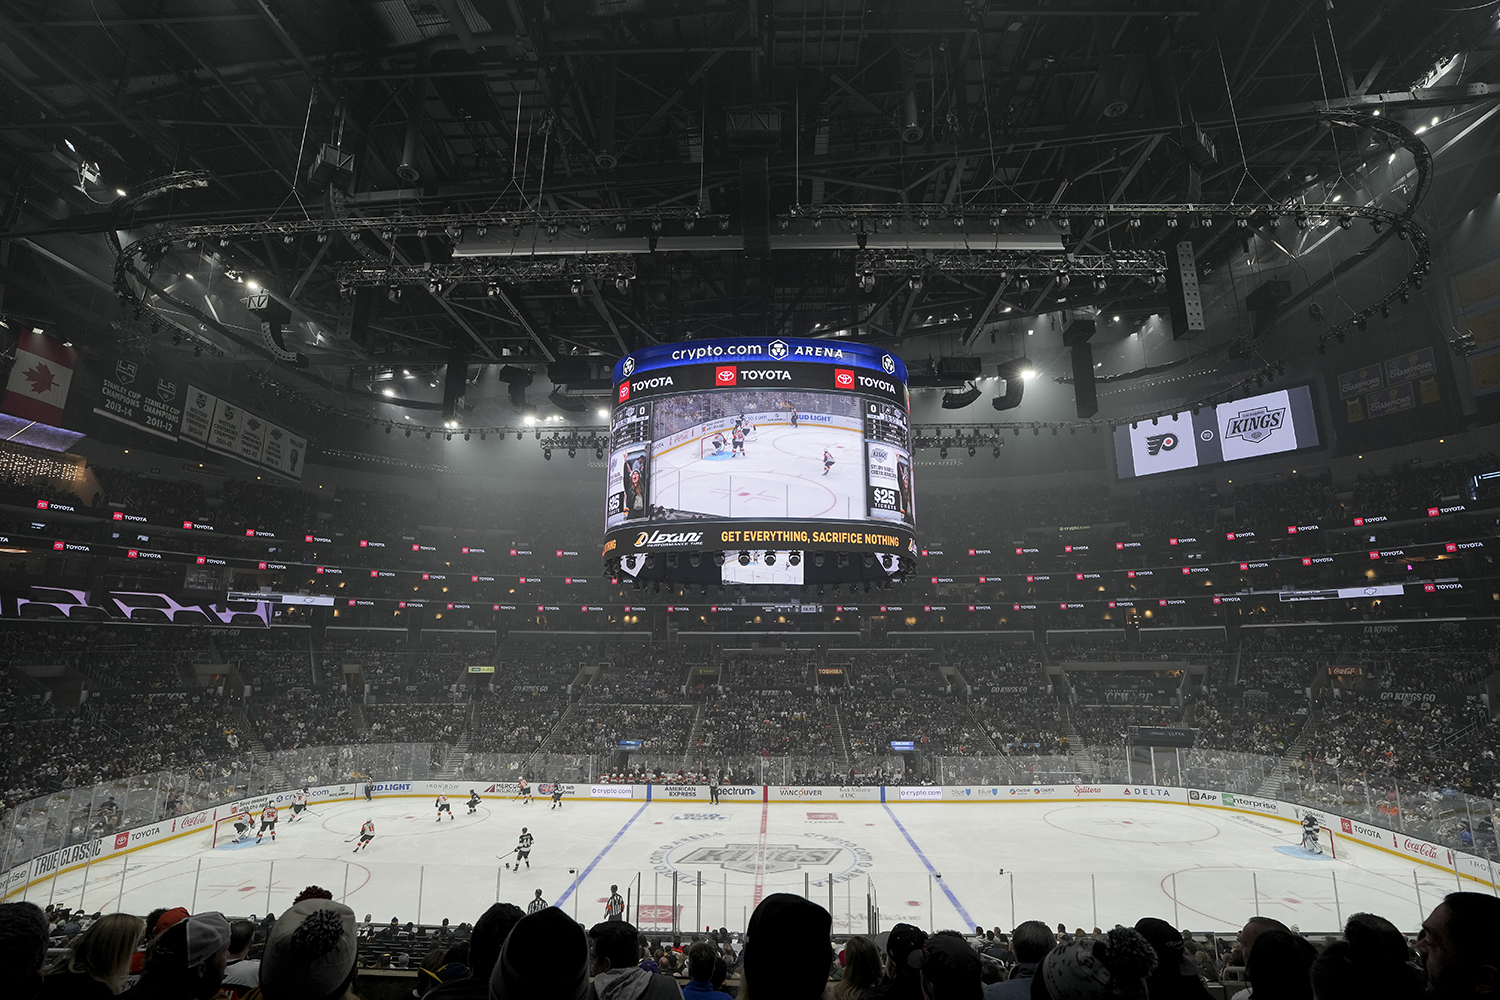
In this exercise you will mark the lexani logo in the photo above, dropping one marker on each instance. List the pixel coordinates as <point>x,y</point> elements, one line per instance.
<point>629,367</point>
<point>888,363</point>
<point>778,350</point>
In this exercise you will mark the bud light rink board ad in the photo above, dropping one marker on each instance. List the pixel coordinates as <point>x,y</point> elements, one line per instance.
<point>1253,427</point>
<point>760,444</point>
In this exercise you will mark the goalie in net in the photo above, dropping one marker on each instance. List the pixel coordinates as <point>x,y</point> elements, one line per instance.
<point>1316,838</point>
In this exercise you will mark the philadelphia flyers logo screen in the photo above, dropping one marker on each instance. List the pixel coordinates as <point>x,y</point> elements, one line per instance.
<point>1158,443</point>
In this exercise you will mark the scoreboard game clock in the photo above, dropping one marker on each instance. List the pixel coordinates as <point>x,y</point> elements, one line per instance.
<point>760,460</point>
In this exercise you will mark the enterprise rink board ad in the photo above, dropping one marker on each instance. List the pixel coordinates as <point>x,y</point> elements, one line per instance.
<point>754,444</point>
<point>1253,427</point>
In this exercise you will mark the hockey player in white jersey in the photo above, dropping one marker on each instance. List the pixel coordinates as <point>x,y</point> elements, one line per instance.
<point>443,807</point>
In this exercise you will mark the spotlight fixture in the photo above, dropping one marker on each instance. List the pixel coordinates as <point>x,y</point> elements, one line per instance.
<point>547,454</point>
<point>744,559</point>
<point>793,558</point>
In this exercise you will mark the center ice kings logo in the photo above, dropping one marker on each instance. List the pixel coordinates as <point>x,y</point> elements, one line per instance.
<point>776,857</point>
<point>778,350</point>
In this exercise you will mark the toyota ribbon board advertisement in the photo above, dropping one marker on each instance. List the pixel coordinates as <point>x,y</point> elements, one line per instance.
<point>1254,427</point>
<point>760,444</point>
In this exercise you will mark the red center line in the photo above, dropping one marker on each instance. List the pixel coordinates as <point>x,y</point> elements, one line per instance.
<point>760,858</point>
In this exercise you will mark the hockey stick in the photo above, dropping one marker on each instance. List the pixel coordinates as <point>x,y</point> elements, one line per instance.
<point>502,857</point>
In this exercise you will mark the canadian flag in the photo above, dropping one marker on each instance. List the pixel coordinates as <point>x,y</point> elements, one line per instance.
<point>39,382</point>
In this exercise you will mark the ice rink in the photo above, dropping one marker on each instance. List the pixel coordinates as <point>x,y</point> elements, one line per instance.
<point>779,475</point>
<point>1085,864</point>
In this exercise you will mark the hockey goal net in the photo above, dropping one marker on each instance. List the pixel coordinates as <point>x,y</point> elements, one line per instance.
<point>224,832</point>
<point>1327,842</point>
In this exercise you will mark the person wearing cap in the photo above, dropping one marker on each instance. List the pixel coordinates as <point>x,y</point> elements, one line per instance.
<point>186,962</point>
<point>23,947</point>
<point>489,934</point>
<point>1112,967</point>
<point>616,968</point>
<point>1176,975</point>
<point>310,953</point>
<point>1030,942</point>
<point>546,957</point>
<point>799,972</point>
<point>902,981</point>
<point>949,968</point>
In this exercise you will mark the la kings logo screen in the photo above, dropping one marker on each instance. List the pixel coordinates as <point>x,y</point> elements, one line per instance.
<point>1260,425</point>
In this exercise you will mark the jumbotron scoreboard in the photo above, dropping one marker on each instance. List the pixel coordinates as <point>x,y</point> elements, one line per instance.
<point>760,460</point>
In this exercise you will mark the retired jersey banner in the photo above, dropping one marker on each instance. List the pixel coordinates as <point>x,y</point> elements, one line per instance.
<point>40,378</point>
<point>231,430</point>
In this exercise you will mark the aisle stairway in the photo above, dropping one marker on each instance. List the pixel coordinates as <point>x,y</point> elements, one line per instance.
<point>839,741</point>
<point>1271,787</point>
<point>453,764</point>
<point>695,734</point>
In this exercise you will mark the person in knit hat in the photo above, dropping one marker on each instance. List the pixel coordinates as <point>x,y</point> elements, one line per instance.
<point>787,950</point>
<point>1112,967</point>
<point>310,953</point>
<point>546,957</point>
<point>902,981</point>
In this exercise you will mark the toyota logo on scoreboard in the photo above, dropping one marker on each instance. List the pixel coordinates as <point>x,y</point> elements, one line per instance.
<point>726,375</point>
<point>843,378</point>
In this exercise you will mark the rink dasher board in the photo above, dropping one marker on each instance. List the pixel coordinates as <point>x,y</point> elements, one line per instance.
<point>1410,849</point>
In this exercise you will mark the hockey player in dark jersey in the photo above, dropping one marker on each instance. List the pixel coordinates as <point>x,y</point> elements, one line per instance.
<point>473,801</point>
<point>523,849</point>
<point>556,797</point>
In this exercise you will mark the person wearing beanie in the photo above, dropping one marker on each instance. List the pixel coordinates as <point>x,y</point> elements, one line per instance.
<point>1371,961</point>
<point>950,968</point>
<point>902,981</point>
<point>488,937</point>
<point>186,962</point>
<point>1280,966</point>
<point>1176,977</point>
<point>23,947</point>
<point>546,957</point>
<point>310,953</point>
<point>1030,942</point>
<point>616,967</point>
<point>1112,967</point>
<point>798,972</point>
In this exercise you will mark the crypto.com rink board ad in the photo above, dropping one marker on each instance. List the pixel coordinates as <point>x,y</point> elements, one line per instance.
<point>760,444</point>
<point>1253,427</point>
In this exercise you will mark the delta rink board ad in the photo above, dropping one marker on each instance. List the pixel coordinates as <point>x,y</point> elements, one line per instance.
<point>755,445</point>
<point>201,823</point>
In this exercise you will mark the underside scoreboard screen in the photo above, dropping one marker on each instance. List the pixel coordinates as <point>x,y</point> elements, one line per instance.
<point>760,444</point>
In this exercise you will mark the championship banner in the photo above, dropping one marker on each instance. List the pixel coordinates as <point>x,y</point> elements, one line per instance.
<point>40,379</point>
<point>222,427</point>
<point>141,399</point>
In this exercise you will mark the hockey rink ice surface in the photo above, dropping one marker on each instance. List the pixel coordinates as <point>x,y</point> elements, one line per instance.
<point>938,865</point>
<point>779,475</point>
